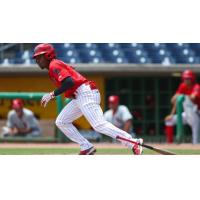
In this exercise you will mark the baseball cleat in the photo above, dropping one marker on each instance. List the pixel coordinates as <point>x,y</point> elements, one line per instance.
<point>137,149</point>
<point>90,151</point>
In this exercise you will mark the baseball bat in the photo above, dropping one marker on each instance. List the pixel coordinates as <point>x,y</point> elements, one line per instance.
<point>160,151</point>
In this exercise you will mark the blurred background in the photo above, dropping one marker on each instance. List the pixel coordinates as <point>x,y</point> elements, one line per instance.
<point>144,75</point>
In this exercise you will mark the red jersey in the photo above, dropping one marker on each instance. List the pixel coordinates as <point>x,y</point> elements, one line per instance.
<point>184,89</point>
<point>196,93</point>
<point>58,71</point>
<point>194,90</point>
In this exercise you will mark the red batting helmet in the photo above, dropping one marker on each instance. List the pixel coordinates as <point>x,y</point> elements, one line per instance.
<point>46,49</point>
<point>188,74</point>
<point>113,99</point>
<point>17,103</point>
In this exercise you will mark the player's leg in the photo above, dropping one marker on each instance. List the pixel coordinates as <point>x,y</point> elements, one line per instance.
<point>34,133</point>
<point>193,118</point>
<point>64,121</point>
<point>89,103</point>
<point>194,122</point>
<point>169,127</point>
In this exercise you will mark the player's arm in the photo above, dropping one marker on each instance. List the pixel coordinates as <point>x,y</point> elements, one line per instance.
<point>173,102</point>
<point>66,84</point>
<point>173,110</point>
<point>127,125</point>
<point>195,94</point>
<point>127,119</point>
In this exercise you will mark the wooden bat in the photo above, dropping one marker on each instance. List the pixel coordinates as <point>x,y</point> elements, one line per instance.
<point>160,151</point>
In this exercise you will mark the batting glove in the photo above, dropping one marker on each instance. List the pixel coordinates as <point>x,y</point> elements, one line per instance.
<point>46,98</point>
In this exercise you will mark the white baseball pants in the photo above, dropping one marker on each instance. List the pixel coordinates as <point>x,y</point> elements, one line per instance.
<point>191,117</point>
<point>87,103</point>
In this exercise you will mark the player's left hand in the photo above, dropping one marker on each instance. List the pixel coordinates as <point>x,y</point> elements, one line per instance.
<point>46,98</point>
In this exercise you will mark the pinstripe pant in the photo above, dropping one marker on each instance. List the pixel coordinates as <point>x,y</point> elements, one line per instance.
<point>87,103</point>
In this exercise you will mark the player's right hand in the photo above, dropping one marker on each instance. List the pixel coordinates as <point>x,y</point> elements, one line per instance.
<point>168,117</point>
<point>46,98</point>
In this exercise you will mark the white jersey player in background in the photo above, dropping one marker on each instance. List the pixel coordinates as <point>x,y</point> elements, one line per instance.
<point>21,122</point>
<point>119,115</point>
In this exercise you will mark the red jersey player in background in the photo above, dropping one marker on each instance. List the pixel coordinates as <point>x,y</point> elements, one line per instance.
<point>191,106</point>
<point>85,101</point>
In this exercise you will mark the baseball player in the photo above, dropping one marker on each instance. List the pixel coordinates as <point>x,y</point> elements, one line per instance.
<point>21,121</point>
<point>85,101</point>
<point>191,106</point>
<point>119,115</point>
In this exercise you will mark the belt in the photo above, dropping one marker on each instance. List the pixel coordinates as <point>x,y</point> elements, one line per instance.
<point>92,85</point>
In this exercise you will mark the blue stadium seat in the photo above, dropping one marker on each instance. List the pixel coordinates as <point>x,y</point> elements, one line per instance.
<point>168,60</point>
<point>196,48</point>
<point>188,60</point>
<point>63,46</point>
<point>154,46</point>
<point>158,55</point>
<point>7,62</point>
<point>95,59</point>
<point>131,46</point>
<point>139,60</point>
<point>108,46</point>
<point>112,54</point>
<point>89,55</point>
<point>139,56</point>
<point>117,59</point>
<point>135,53</point>
<point>18,61</point>
<point>72,60</point>
<point>174,47</point>
<point>85,46</point>
<point>67,53</point>
<point>26,55</point>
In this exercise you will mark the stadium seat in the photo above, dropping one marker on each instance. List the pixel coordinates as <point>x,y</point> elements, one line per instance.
<point>72,60</point>
<point>85,46</point>
<point>139,60</point>
<point>187,60</point>
<point>131,46</point>
<point>154,46</point>
<point>89,55</point>
<point>111,55</point>
<point>26,55</point>
<point>117,59</point>
<point>95,59</point>
<point>108,46</point>
<point>63,46</point>
<point>7,62</point>
<point>67,53</point>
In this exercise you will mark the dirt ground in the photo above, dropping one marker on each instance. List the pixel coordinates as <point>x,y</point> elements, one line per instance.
<point>97,145</point>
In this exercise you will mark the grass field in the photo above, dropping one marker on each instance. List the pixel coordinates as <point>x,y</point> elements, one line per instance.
<point>102,149</point>
<point>74,151</point>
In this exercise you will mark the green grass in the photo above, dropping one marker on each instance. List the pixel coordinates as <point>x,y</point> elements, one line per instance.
<point>74,151</point>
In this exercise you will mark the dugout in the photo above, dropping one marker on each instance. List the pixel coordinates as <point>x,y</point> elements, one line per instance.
<point>145,89</point>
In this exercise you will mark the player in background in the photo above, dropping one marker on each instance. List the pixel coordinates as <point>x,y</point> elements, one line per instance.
<point>85,101</point>
<point>21,121</point>
<point>191,106</point>
<point>119,115</point>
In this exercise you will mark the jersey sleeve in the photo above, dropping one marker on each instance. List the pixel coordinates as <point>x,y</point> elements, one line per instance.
<point>59,72</point>
<point>126,115</point>
<point>196,91</point>
<point>10,122</point>
<point>32,122</point>
<point>180,89</point>
<point>106,115</point>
